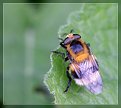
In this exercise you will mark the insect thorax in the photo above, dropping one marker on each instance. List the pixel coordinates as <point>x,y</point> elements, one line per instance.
<point>76,47</point>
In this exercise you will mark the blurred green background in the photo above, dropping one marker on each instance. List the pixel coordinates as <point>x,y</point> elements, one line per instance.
<point>30,33</point>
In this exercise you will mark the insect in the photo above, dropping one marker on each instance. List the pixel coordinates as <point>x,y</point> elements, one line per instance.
<point>83,66</point>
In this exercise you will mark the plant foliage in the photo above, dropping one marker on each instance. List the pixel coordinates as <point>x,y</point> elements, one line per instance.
<point>97,24</point>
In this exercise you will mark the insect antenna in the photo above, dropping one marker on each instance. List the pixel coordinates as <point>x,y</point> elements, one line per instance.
<point>72,30</point>
<point>64,34</point>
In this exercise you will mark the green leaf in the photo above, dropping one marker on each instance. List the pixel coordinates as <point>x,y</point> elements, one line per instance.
<point>97,24</point>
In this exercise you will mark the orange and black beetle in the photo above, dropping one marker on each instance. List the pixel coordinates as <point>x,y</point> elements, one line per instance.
<point>83,67</point>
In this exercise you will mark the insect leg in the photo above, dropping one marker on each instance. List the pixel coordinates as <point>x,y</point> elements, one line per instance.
<point>63,45</point>
<point>60,39</point>
<point>71,31</point>
<point>62,54</point>
<point>69,79</point>
<point>88,44</point>
<point>66,59</point>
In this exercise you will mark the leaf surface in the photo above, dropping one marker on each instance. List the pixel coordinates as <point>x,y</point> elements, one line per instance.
<point>97,25</point>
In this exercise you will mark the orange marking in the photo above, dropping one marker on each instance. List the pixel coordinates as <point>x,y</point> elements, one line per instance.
<point>81,41</point>
<point>84,46</point>
<point>71,68</point>
<point>81,57</point>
